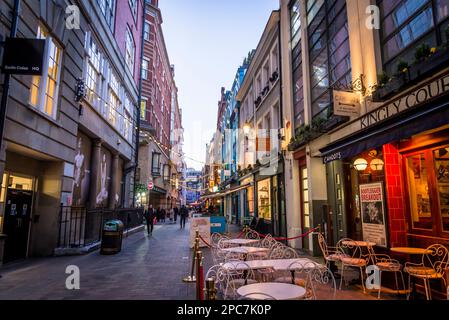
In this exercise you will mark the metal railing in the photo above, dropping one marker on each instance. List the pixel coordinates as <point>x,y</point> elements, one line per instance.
<point>79,227</point>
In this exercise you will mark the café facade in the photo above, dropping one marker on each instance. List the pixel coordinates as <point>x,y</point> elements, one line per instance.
<point>388,170</point>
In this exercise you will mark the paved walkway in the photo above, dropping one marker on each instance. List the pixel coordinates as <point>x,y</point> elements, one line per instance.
<point>147,268</point>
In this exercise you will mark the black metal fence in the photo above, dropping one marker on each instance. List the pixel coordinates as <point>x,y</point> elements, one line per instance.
<point>79,227</point>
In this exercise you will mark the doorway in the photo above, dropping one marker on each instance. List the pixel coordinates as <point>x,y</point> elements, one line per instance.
<point>17,216</point>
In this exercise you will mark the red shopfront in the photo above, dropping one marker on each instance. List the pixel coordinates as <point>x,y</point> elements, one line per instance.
<point>411,135</point>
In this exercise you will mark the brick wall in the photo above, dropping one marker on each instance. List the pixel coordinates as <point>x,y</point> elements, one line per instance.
<point>395,194</point>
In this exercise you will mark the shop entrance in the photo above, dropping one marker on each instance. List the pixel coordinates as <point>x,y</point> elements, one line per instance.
<point>17,217</point>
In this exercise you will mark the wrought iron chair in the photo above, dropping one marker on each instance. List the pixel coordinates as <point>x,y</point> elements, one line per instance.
<point>216,237</point>
<point>321,283</point>
<point>330,254</point>
<point>433,266</point>
<point>251,234</point>
<point>235,278</point>
<point>352,256</point>
<point>386,264</point>
<point>215,272</point>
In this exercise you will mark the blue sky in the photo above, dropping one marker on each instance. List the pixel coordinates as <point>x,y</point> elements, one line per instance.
<point>206,41</point>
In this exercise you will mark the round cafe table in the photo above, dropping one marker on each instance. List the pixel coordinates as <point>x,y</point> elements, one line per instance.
<point>359,243</point>
<point>410,250</point>
<point>279,291</point>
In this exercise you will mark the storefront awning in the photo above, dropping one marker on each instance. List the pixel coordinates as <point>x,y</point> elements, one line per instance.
<point>226,192</point>
<point>402,126</point>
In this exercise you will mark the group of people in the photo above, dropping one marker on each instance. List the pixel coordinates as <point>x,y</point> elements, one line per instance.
<point>160,214</point>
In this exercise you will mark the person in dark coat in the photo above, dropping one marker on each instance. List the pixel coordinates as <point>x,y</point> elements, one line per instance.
<point>163,214</point>
<point>176,212</point>
<point>184,213</point>
<point>158,214</point>
<point>149,217</point>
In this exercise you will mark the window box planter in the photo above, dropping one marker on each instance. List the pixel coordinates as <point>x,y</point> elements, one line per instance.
<point>332,122</point>
<point>390,89</point>
<point>274,77</point>
<point>428,66</point>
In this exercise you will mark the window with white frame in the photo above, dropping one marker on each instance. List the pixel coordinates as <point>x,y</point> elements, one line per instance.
<point>130,49</point>
<point>146,31</point>
<point>93,72</point>
<point>127,118</point>
<point>145,63</point>
<point>114,98</point>
<point>44,89</point>
<point>107,8</point>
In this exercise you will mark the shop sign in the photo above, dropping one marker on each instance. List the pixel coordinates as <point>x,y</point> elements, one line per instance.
<point>23,56</point>
<point>418,97</point>
<point>332,157</point>
<point>346,104</point>
<point>372,206</point>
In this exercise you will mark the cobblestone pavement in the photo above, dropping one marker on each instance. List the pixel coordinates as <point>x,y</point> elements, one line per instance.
<point>146,268</point>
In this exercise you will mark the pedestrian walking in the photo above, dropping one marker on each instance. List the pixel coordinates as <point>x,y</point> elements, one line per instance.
<point>149,217</point>
<point>158,214</point>
<point>163,214</point>
<point>184,212</point>
<point>175,212</point>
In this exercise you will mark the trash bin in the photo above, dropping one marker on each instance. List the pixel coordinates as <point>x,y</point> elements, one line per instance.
<point>111,238</point>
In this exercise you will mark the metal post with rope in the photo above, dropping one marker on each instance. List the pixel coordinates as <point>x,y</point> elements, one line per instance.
<point>191,278</point>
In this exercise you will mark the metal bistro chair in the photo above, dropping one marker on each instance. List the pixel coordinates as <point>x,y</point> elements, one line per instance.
<point>386,264</point>
<point>433,266</point>
<point>251,234</point>
<point>330,254</point>
<point>352,256</point>
<point>321,282</point>
<point>235,278</point>
<point>215,272</point>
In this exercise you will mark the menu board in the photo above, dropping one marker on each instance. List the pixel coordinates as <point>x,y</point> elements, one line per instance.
<point>202,224</point>
<point>373,213</point>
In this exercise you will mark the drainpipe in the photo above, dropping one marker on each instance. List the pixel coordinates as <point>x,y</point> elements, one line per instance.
<point>139,104</point>
<point>7,78</point>
<point>281,115</point>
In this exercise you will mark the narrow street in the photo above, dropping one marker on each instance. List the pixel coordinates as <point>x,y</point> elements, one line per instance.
<point>147,268</point>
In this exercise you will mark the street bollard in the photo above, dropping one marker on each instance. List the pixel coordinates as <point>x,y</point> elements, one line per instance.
<point>191,278</point>
<point>211,291</point>
<point>199,276</point>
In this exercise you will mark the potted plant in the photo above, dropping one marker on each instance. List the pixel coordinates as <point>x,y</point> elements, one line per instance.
<point>428,60</point>
<point>387,86</point>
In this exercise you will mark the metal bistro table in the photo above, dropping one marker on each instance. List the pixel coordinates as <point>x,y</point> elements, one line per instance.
<point>279,291</point>
<point>411,251</point>
<point>246,250</point>
<point>241,242</point>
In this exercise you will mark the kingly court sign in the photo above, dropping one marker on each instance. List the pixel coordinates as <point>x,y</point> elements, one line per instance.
<point>415,98</point>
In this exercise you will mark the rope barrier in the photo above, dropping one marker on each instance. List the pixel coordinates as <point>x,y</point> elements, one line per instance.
<point>206,243</point>
<point>288,239</point>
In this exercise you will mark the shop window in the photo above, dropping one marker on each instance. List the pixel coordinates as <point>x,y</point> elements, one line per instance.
<point>419,192</point>
<point>155,164</point>
<point>250,195</point>
<point>441,159</point>
<point>264,199</point>
<point>305,197</point>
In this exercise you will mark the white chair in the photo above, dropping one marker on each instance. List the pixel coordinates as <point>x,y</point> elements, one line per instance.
<point>321,284</point>
<point>386,264</point>
<point>434,265</point>
<point>330,254</point>
<point>235,278</point>
<point>352,256</point>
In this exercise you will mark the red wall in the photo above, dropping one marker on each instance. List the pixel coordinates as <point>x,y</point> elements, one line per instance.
<point>395,196</point>
<point>123,18</point>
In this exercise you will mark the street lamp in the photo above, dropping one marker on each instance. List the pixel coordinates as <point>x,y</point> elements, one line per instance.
<point>377,164</point>
<point>360,164</point>
<point>246,128</point>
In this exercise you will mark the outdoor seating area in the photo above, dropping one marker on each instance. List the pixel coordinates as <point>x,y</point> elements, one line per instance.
<point>253,266</point>
<point>433,264</point>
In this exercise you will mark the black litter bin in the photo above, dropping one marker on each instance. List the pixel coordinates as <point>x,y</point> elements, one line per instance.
<point>111,238</point>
